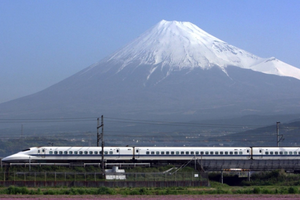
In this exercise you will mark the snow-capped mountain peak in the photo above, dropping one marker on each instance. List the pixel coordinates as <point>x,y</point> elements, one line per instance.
<point>183,45</point>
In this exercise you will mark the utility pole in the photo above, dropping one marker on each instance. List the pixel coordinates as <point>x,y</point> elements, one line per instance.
<point>101,137</point>
<point>281,136</point>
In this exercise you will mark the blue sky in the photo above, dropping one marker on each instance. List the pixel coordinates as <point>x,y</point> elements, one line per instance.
<point>44,42</point>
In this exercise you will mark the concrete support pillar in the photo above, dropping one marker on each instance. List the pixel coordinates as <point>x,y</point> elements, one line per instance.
<point>222,176</point>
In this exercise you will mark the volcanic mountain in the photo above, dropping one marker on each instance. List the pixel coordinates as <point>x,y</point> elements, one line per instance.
<point>173,69</point>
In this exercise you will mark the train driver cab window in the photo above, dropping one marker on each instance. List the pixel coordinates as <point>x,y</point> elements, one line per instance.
<point>226,152</point>
<point>147,152</point>
<point>231,153</point>
<point>152,152</point>
<point>162,153</point>
<point>157,153</point>
<point>70,152</point>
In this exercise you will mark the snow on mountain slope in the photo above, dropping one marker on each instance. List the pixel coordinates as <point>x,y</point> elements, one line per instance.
<point>183,45</point>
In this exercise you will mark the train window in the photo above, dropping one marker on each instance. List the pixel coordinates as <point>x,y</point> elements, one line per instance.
<point>271,152</point>
<point>65,152</point>
<point>60,152</point>
<point>211,153</point>
<point>192,153</point>
<point>285,153</point>
<point>276,152</point>
<point>231,153</point>
<point>247,150</point>
<point>267,153</point>
<point>90,152</point>
<point>147,152</point>
<point>105,152</point>
<point>110,152</point>
<point>43,150</point>
<point>201,152</point>
<point>197,152</point>
<point>157,153</point>
<point>85,152</point>
<point>100,152</point>
<point>299,152</point>
<point>206,152</point>
<point>187,152</point>
<point>290,153</point>
<point>50,152</point>
<point>281,153</point>
<point>259,151</point>
<point>226,152</point>
<point>80,152</point>
<point>70,152</point>
<point>95,152</point>
<point>38,151</point>
<point>167,152</point>
<point>162,153</point>
<point>117,151</point>
<point>177,152</point>
<point>55,152</point>
<point>137,150</point>
<point>295,152</point>
<point>221,152</point>
<point>76,152</point>
<point>182,153</point>
<point>235,153</point>
<point>172,152</point>
<point>216,152</point>
<point>241,153</point>
<point>152,152</point>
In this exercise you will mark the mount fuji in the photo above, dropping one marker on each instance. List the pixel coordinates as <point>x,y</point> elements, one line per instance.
<point>173,70</point>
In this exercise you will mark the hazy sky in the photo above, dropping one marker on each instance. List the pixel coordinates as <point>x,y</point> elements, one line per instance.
<point>44,42</point>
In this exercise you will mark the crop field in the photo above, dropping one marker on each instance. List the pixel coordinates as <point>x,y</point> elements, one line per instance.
<point>150,197</point>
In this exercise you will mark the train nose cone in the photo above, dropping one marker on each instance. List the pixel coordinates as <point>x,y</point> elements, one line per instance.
<point>16,158</point>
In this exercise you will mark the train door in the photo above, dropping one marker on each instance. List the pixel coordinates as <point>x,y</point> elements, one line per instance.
<point>43,152</point>
<point>118,153</point>
<point>261,153</point>
<point>137,152</point>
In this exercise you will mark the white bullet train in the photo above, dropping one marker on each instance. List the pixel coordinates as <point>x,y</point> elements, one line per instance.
<point>52,154</point>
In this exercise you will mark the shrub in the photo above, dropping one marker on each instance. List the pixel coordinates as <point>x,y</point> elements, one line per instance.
<point>256,190</point>
<point>293,190</point>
